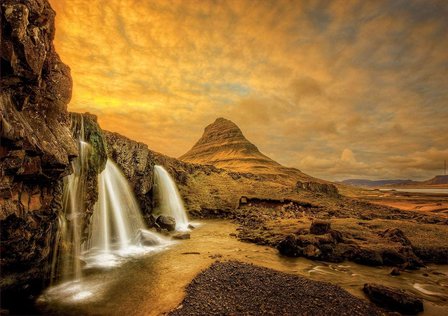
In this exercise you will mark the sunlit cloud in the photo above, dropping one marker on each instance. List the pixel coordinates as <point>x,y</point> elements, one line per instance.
<point>336,88</point>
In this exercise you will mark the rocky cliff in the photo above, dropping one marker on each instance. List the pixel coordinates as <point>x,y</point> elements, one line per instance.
<point>36,143</point>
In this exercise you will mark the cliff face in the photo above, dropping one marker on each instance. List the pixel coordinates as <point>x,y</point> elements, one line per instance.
<point>36,143</point>
<point>135,161</point>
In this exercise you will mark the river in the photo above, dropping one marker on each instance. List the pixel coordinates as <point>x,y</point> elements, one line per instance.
<point>422,190</point>
<point>154,284</point>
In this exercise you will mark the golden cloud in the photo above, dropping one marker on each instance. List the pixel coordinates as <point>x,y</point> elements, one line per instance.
<point>303,79</point>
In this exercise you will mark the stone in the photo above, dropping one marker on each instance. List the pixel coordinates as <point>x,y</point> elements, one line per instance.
<point>393,299</point>
<point>289,247</point>
<point>395,272</point>
<point>166,222</point>
<point>148,239</point>
<point>311,251</point>
<point>181,236</point>
<point>320,227</point>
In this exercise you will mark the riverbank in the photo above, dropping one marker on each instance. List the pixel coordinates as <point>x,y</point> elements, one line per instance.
<point>154,284</point>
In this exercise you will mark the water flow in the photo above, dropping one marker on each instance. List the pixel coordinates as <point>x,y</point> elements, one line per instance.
<point>117,222</point>
<point>66,262</point>
<point>169,200</point>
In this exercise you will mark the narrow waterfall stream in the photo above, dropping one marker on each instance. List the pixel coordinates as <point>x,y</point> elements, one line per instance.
<point>169,200</point>
<point>66,263</point>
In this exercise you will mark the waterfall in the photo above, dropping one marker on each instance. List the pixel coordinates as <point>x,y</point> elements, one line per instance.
<point>116,221</point>
<point>116,229</point>
<point>169,200</point>
<point>67,251</point>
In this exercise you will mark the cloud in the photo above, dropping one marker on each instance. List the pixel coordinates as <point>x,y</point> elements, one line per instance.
<point>335,88</point>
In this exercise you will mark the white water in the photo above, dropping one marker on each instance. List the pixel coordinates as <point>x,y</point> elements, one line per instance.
<point>66,256</point>
<point>169,200</point>
<point>117,229</point>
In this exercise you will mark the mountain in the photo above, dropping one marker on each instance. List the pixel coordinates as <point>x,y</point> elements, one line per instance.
<point>223,145</point>
<point>436,181</point>
<point>375,183</point>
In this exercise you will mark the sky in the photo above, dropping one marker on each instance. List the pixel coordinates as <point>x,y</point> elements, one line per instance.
<point>339,89</point>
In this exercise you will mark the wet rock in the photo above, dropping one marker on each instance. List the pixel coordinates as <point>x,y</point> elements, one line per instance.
<point>147,238</point>
<point>437,255</point>
<point>393,299</point>
<point>289,247</point>
<point>395,272</point>
<point>191,226</point>
<point>320,227</point>
<point>135,161</point>
<point>181,236</point>
<point>367,257</point>
<point>311,251</point>
<point>166,222</point>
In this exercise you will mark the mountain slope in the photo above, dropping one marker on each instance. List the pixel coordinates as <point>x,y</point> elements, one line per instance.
<point>223,145</point>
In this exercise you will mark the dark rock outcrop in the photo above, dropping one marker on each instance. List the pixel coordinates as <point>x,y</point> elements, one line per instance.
<point>166,222</point>
<point>323,243</point>
<point>320,227</point>
<point>36,144</point>
<point>316,187</point>
<point>393,299</point>
<point>135,160</point>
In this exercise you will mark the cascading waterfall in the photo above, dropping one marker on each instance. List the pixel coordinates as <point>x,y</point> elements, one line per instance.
<point>67,252</point>
<point>169,200</point>
<point>117,222</point>
<point>116,228</point>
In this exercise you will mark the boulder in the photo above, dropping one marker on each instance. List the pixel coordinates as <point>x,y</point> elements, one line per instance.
<point>393,299</point>
<point>148,238</point>
<point>166,222</point>
<point>320,227</point>
<point>289,247</point>
<point>181,236</point>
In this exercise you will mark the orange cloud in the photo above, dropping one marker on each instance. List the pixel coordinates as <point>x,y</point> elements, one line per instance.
<point>303,79</point>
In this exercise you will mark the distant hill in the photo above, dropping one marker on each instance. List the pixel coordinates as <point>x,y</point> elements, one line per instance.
<point>436,181</point>
<point>223,145</point>
<point>376,183</point>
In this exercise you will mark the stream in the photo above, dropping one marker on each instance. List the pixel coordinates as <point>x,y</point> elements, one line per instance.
<point>153,283</point>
